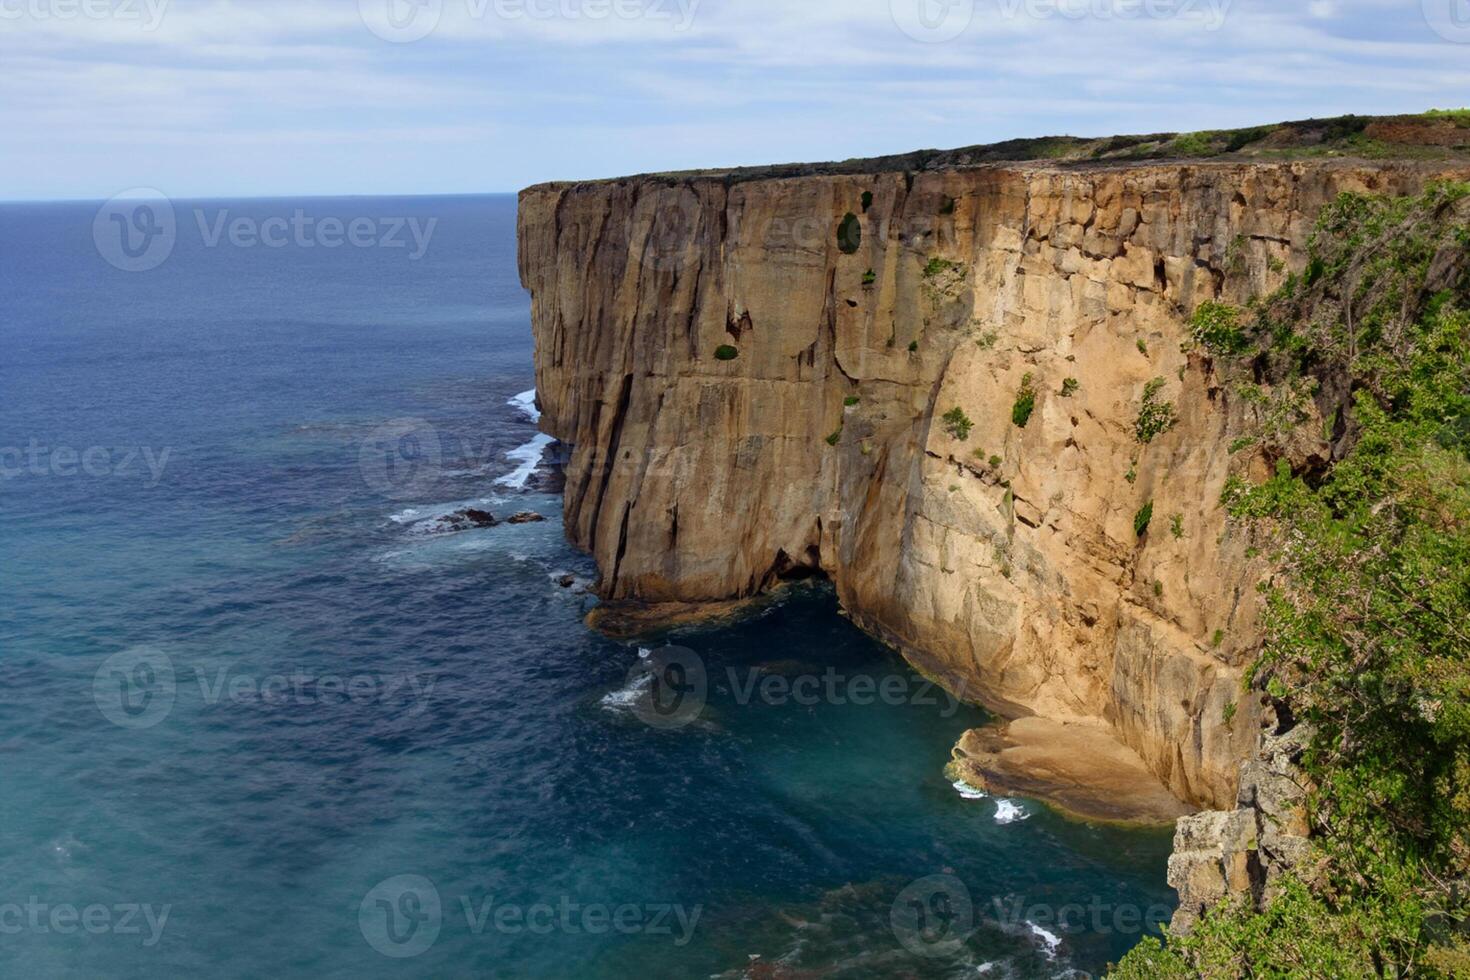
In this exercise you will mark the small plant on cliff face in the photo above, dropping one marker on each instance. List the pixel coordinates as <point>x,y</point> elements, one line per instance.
<point>987,340</point>
<point>1069,387</point>
<point>725,352</point>
<point>1025,402</point>
<point>850,401</point>
<point>849,234</point>
<point>867,201</point>
<point>1216,328</point>
<point>1154,417</point>
<point>936,266</point>
<point>1218,638</point>
<point>1143,347</point>
<point>995,462</point>
<point>913,347</point>
<point>1142,519</point>
<point>957,423</point>
<point>1228,715</point>
<point>1176,525</point>
<point>835,437</point>
<point>869,277</point>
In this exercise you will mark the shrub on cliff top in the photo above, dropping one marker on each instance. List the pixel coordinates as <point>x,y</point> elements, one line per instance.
<point>849,234</point>
<point>1367,621</point>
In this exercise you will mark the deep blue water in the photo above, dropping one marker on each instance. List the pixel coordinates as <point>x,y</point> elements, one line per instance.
<point>245,698</point>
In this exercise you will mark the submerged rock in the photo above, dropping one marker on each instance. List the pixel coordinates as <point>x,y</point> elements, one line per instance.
<point>525,517</point>
<point>463,520</point>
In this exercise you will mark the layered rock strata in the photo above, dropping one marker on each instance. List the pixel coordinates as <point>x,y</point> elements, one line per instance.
<point>929,384</point>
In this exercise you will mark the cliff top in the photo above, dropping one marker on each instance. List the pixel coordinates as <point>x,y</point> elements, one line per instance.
<point>1435,135</point>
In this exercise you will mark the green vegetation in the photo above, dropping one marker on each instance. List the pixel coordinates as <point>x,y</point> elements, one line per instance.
<point>1143,347</point>
<point>936,266</point>
<point>957,423</point>
<point>1460,117</point>
<point>1217,639</point>
<point>869,277</point>
<point>913,347</point>
<point>867,201</point>
<point>835,437</point>
<point>1143,518</point>
<point>1217,329</point>
<point>1154,417</point>
<point>850,401</point>
<point>725,352</point>
<point>1025,402</point>
<point>849,234</point>
<point>1069,387</point>
<point>1367,622</point>
<point>995,462</point>
<point>1176,525</point>
<point>987,340</point>
<point>1228,715</point>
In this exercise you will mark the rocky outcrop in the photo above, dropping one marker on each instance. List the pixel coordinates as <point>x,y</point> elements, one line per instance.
<point>749,395</point>
<point>1244,852</point>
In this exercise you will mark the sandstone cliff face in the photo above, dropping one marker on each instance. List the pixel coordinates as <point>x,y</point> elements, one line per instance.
<point>1003,558</point>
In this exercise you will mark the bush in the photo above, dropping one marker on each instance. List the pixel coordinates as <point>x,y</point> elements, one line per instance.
<point>850,401</point>
<point>1216,328</point>
<point>1025,403</point>
<point>835,437</point>
<point>913,347</point>
<point>1154,417</point>
<point>957,423</point>
<point>869,277</point>
<point>1142,519</point>
<point>936,266</point>
<point>725,352</point>
<point>849,234</point>
<point>1176,525</point>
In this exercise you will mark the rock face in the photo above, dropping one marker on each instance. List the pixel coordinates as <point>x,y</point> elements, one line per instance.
<point>746,397</point>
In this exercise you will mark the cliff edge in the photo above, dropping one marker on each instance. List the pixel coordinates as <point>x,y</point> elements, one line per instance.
<point>965,391</point>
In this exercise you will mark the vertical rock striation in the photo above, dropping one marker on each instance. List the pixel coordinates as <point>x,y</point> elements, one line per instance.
<point>747,395</point>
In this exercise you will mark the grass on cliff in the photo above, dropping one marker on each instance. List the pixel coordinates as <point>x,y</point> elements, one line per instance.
<point>1367,627</point>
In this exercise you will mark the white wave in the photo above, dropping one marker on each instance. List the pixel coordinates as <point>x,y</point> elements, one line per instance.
<point>433,512</point>
<point>1008,812</point>
<point>628,695</point>
<point>529,456</point>
<point>526,402</point>
<point>1050,941</point>
<point>969,792</point>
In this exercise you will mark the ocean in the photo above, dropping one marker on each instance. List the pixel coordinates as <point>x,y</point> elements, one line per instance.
<point>269,708</point>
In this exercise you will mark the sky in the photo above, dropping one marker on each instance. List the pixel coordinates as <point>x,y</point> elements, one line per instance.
<point>201,98</point>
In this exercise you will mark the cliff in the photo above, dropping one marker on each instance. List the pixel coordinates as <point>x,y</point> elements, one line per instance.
<point>753,385</point>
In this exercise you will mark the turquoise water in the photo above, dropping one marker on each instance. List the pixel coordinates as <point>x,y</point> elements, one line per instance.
<point>257,719</point>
